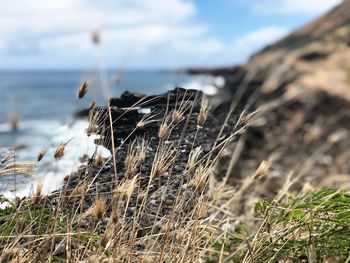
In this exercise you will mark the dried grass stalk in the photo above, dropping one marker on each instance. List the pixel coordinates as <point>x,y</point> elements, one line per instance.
<point>99,207</point>
<point>201,175</point>
<point>164,131</point>
<point>193,159</point>
<point>41,155</point>
<point>99,160</point>
<point>59,152</point>
<point>83,90</point>
<point>203,112</point>
<point>27,169</point>
<point>262,170</point>
<point>164,158</point>
<point>38,193</point>
<point>127,188</point>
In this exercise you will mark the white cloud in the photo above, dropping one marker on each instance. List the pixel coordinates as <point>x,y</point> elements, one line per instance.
<point>309,7</point>
<point>56,33</point>
<point>246,45</point>
<point>144,33</point>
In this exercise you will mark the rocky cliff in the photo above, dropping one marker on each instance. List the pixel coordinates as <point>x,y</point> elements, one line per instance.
<point>300,88</point>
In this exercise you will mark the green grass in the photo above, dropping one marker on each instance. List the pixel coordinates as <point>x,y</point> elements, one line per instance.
<point>313,226</point>
<point>34,223</point>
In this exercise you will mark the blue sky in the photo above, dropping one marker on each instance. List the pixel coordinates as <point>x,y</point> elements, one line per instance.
<point>144,34</point>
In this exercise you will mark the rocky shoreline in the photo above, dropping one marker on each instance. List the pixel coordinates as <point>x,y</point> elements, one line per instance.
<point>155,198</point>
<point>185,182</point>
<point>274,131</point>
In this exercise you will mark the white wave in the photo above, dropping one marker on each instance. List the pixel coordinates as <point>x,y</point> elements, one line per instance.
<point>5,127</point>
<point>207,84</point>
<point>207,89</point>
<point>41,134</point>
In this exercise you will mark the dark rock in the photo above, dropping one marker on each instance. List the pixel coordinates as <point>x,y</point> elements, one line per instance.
<point>163,189</point>
<point>61,250</point>
<point>314,55</point>
<point>84,113</point>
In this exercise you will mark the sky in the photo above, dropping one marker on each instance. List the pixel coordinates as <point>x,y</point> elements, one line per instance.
<point>144,34</point>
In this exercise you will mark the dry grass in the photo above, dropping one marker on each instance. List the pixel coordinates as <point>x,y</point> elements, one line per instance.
<point>203,113</point>
<point>26,169</point>
<point>262,170</point>
<point>83,90</point>
<point>99,208</point>
<point>38,193</point>
<point>165,157</point>
<point>41,155</point>
<point>201,176</point>
<point>99,160</point>
<point>59,152</point>
<point>161,214</point>
<point>49,229</point>
<point>14,122</point>
<point>164,131</point>
<point>193,159</point>
<point>136,155</point>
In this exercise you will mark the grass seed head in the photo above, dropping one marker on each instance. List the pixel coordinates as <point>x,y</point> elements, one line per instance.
<point>262,170</point>
<point>38,193</point>
<point>164,158</point>
<point>224,152</point>
<point>136,155</point>
<point>142,149</point>
<point>99,207</point>
<point>164,131</point>
<point>131,163</point>
<point>79,190</point>
<point>193,159</point>
<point>338,136</point>
<point>177,116</point>
<point>59,152</point>
<point>179,113</point>
<point>203,113</point>
<point>201,175</point>
<point>115,216</point>
<point>92,105</point>
<point>96,37</point>
<point>107,237</point>
<point>99,160</point>
<point>313,134</point>
<point>130,187</point>
<point>307,188</point>
<point>41,155</point>
<point>140,125</point>
<point>160,169</point>
<point>146,119</point>
<point>127,187</point>
<point>82,90</point>
<point>91,129</point>
<point>202,209</point>
<point>14,122</point>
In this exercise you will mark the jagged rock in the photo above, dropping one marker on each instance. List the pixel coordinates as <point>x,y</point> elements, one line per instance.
<point>302,85</point>
<point>128,114</point>
<point>164,188</point>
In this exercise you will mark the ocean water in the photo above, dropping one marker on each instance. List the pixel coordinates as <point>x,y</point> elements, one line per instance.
<point>45,103</point>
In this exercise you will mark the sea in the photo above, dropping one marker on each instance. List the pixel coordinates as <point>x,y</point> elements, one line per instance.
<point>44,102</point>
